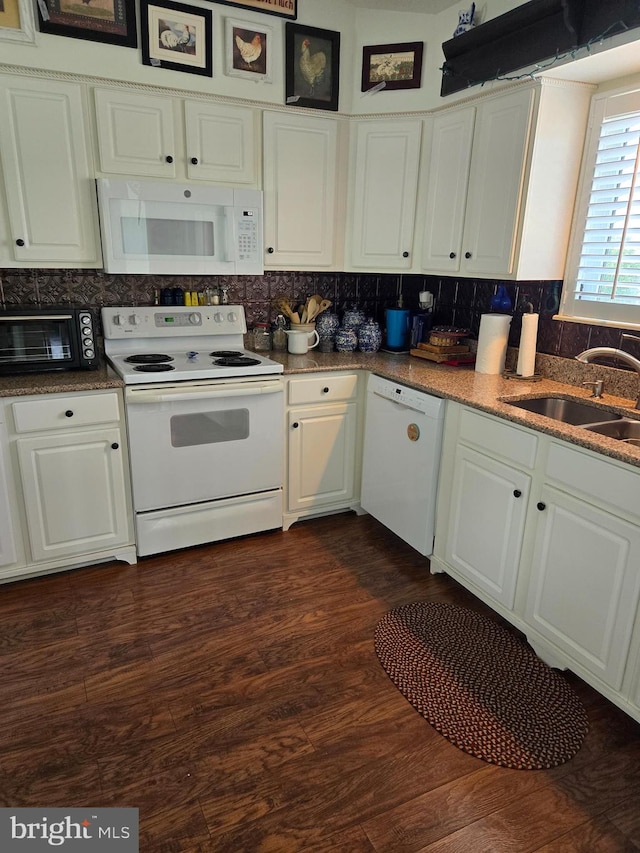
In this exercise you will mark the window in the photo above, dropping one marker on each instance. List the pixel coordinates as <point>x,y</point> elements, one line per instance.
<point>602,285</point>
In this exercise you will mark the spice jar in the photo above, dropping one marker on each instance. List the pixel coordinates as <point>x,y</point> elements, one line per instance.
<point>261,337</point>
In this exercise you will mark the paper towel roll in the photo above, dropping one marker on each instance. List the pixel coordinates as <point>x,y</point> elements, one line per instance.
<point>527,352</point>
<point>492,343</point>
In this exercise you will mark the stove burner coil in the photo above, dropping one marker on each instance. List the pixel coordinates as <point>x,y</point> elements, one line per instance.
<point>225,353</point>
<point>153,368</point>
<point>236,361</point>
<point>148,358</point>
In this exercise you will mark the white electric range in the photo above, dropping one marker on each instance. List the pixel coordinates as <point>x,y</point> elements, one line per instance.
<point>204,421</point>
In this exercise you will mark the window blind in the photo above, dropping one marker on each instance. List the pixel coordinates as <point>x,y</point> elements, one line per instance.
<point>609,266</point>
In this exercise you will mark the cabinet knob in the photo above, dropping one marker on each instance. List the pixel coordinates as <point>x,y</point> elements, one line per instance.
<point>295,424</point>
<point>194,161</point>
<point>405,254</point>
<point>270,250</point>
<point>19,242</point>
<point>169,158</point>
<point>68,413</point>
<point>452,255</point>
<point>517,493</point>
<point>115,445</point>
<point>467,255</point>
<point>541,506</point>
<point>325,390</point>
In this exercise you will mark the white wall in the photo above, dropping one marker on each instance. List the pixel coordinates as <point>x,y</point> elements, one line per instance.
<point>357,26</point>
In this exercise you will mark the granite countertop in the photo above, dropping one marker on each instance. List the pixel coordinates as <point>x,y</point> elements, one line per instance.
<point>462,384</point>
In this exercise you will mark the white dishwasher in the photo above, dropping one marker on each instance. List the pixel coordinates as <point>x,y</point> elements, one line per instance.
<point>402,439</point>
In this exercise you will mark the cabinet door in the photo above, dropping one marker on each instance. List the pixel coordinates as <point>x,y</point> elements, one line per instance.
<point>585,583</point>
<point>75,494</point>
<point>486,528</point>
<point>322,443</point>
<point>447,183</point>
<point>387,157</point>
<point>135,133</point>
<point>220,143</point>
<point>300,160</point>
<point>496,182</point>
<point>48,174</point>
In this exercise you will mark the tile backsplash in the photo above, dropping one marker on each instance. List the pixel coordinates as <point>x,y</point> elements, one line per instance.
<point>458,301</point>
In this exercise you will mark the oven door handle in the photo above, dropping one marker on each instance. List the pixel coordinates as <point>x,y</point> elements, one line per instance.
<point>201,392</point>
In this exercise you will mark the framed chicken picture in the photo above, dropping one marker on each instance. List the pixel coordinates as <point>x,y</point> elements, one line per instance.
<point>312,67</point>
<point>248,50</point>
<point>110,21</point>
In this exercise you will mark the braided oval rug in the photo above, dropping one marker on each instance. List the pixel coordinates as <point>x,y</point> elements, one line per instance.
<point>480,686</point>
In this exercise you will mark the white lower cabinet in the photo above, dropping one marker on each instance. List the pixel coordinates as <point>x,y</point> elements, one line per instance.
<point>548,534</point>
<point>486,527</point>
<point>323,435</point>
<point>71,478</point>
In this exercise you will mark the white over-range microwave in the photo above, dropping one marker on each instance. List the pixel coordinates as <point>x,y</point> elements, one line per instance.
<point>179,228</point>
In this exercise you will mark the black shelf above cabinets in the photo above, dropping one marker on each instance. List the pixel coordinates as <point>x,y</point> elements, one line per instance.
<point>531,33</point>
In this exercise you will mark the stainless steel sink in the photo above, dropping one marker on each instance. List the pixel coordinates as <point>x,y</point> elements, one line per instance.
<point>568,411</point>
<point>623,430</point>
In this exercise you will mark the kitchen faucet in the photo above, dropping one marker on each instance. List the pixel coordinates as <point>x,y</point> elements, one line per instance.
<point>590,355</point>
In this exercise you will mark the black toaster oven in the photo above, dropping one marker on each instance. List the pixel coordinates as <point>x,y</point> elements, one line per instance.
<point>33,340</point>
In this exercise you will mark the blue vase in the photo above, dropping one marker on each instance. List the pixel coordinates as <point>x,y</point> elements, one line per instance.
<point>353,318</point>
<point>327,324</point>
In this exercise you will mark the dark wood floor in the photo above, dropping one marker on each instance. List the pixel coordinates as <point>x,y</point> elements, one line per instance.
<point>232,694</point>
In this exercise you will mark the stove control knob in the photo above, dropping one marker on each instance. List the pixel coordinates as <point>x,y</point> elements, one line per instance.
<point>195,319</point>
<point>218,317</point>
<point>232,317</point>
<point>134,320</point>
<point>117,319</point>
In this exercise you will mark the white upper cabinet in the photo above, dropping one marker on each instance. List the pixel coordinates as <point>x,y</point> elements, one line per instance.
<point>475,182</point>
<point>220,143</point>
<point>448,181</point>
<point>301,200</point>
<point>47,170</point>
<point>157,136</point>
<point>385,162</point>
<point>135,133</point>
<point>501,183</point>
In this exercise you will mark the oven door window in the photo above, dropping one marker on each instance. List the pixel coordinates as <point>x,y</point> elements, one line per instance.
<point>35,341</point>
<point>209,427</point>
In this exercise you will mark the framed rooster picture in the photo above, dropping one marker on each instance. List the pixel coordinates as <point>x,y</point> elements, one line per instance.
<point>248,50</point>
<point>312,67</point>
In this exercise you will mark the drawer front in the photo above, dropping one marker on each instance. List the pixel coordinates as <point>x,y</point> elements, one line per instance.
<point>603,480</point>
<point>498,438</point>
<point>65,412</point>
<point>323,389</point>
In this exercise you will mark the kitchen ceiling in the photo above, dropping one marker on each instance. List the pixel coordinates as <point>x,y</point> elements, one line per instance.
<point>425,6</point>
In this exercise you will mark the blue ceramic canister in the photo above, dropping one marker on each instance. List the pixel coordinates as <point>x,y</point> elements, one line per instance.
<point>369,336</point>
<point>346,340</point>
<point>353,318</point>
<point>327,324</point>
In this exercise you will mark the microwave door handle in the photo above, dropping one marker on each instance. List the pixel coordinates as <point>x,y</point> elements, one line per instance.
<point>231,237</point>
<point>203,392</point>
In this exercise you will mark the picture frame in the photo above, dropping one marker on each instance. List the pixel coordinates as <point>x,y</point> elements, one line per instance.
<point>17,21</point>
<point>252,62</point>
<point>312,67</point>
<point>109,21</point>
<point>281,8</point>
<point>397,66</point>
<point>176,36</point>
